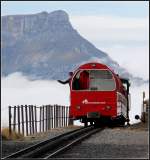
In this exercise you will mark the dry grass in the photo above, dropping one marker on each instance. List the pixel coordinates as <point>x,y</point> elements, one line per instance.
<point>13,136</point>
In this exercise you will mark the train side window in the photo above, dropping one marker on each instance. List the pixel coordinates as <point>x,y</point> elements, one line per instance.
<point>94,80</point>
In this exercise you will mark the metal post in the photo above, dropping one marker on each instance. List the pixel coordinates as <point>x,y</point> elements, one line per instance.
<point>143,117</point>
<point>128,85</point>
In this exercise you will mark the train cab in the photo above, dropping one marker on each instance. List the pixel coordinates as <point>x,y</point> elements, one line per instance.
<point>97,93</point>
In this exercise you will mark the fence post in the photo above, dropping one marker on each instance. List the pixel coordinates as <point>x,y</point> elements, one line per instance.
<point>14,122</point>
<point>35,119</point>
<point>40,119</point>
<point>43,118</point>
<point>56,115</point>
<point>48,116</point>
<point>69,119</point>
<point>51,110</point>
<point>22,119</point>
<point>32,119</point>
<point>66,115</point>
<point>61,116</point>
<point>9,110</point>
<point>26,113</point>
<point>18,119</point>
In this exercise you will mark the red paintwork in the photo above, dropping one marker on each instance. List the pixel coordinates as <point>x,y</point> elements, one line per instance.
<point>109,97</point>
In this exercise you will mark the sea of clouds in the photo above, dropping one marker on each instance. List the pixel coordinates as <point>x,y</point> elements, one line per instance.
<point>125,39</point>
<point>17,89</point>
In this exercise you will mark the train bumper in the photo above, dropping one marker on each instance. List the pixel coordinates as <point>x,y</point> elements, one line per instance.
<point>93,115</point>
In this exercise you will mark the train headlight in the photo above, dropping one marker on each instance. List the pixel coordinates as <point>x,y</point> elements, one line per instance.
<point>77,107</point>
<point>108,107</point>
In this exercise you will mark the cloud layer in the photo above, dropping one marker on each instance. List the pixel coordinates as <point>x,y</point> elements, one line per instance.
<point>125,39</point>
<point>19,90</point>
<point>111,28</point>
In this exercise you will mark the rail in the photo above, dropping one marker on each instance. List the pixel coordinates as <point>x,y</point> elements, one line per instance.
<point>51,147</point>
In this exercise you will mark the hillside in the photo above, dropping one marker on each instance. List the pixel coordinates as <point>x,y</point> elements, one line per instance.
<point>46,46</point>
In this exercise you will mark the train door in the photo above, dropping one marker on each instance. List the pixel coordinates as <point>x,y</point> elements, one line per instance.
<point>126,84</point>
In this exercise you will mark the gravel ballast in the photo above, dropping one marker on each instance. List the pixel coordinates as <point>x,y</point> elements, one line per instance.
<point>110,143</point>
<point>119,142</point>
<point>11,146</point>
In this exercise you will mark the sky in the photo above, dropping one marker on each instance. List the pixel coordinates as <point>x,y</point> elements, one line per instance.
<point>126,8</point>
<point>118,28</point>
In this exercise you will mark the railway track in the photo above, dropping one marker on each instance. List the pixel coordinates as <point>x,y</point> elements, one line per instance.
<point>52,147</point>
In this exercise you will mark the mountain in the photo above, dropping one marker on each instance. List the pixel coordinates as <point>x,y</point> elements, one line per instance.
<point>46,46</point>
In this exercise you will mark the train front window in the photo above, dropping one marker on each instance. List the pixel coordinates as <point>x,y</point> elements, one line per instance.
<point>101,80</point>
<point>96,80</point>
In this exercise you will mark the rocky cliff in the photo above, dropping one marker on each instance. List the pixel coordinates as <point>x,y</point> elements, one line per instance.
<point>46,46</point>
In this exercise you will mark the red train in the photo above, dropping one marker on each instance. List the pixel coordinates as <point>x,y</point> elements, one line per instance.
<point>97,95</point>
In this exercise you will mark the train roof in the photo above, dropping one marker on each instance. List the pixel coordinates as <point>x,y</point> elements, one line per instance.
<point>94,65</point>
